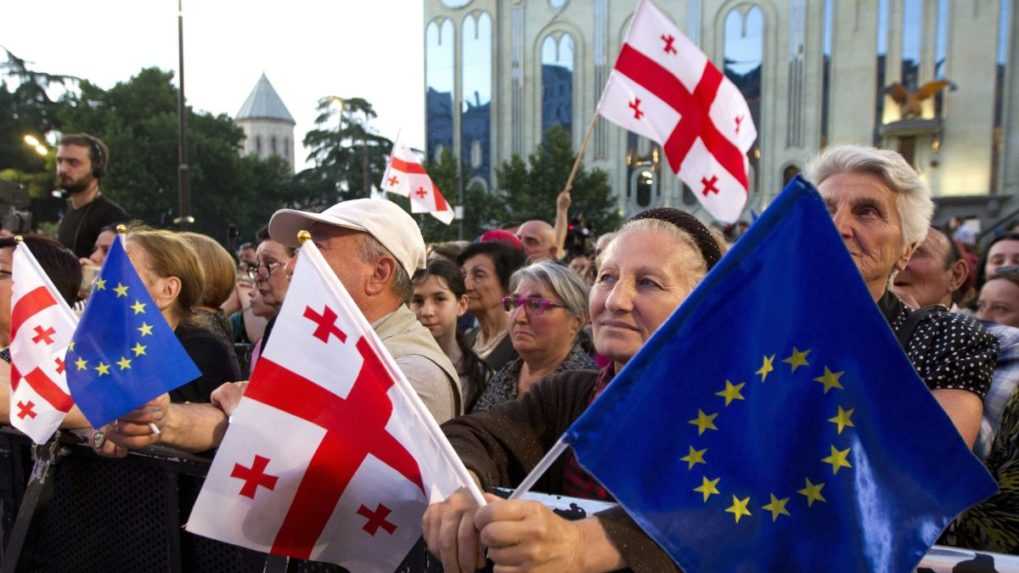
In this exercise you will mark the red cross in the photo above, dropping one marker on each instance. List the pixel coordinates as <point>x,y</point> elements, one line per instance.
<point>392,180</point>
<point>376,519</point>
<point>709,185</point>
<point>254,476</point>
<point>60,365</point>
<point>26,410</point>
<point>355,427</point>
<point>669,39</point>
<point>421,193</point>
<point>692,107</point>
<point>326,324</point>
<point>635,106</point>
<point>44,335</point>
<point>43,386</point>
<point>739,123</point>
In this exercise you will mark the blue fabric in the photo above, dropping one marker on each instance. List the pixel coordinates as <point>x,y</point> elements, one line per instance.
<point>123,353</point>
<point>893,480</point>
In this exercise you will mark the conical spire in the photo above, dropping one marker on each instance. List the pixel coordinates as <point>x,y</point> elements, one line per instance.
<point>264,103</point>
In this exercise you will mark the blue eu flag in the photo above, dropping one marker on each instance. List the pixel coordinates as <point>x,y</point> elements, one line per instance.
<point>773,423</point>
<point>123,353</point>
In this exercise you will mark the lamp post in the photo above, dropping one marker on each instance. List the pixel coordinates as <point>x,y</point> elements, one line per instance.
<point>36,145</point>
<point>184,217</point>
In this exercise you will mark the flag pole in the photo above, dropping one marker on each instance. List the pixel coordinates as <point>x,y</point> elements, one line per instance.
<point>580,154</point>
<point>540,469</point>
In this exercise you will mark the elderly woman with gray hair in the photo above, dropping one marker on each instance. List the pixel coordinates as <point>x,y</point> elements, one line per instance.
<point>882,210</point>
<point>548,309</point>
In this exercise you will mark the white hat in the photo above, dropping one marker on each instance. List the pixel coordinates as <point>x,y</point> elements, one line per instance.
<point>382,219</point>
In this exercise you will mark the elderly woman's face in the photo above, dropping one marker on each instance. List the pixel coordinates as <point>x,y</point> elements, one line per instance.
<point>484,292</point>
<point>548,330</point>
<point>999,302</point>
<point>643,277</point>
<point>863,209</point>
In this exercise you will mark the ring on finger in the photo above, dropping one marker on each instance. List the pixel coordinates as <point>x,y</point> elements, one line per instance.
<point>98,439</point>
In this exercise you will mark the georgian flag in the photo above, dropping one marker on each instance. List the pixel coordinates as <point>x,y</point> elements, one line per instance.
<point>664,88</point>
<point>41,328</point>
<point>330,455</point>
<point>405,175</point>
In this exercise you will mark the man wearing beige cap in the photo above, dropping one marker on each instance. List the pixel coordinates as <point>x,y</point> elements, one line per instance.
<point>374,247</point>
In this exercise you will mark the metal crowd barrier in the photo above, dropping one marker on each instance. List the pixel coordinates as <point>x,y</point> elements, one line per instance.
<point>63,508</point>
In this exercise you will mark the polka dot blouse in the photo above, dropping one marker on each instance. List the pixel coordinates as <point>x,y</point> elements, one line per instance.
<point>948,350</point>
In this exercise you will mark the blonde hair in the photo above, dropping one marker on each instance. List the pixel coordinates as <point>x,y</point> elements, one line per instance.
<point>171,256</point>
<point>218,267</point>
<point>912,196</point>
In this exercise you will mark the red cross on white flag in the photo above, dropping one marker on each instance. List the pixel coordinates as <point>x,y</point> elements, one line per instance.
<point>330,455</point>
<point>405,175</point>
<point>42,325</point>
<point>664,88</point>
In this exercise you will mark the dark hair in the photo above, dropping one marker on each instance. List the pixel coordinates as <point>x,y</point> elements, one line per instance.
<point>1010,274</point>
<point>505,258</point>
<point>262,235</point>
<point>475,368</point>
<point>702,237</point>
<point>59,263</point>
<point>981,273</point>
<point>98,152</point>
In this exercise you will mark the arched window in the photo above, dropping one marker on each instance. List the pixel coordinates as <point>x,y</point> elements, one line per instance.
<point>258,145</point>
<point>286,147</point>
<point>1001,72</point>
<point>272,145</point>
<point>744,64</point>
<point>439,74</point>
<point>557,66</point>
<point>476,86</point>
<point>941,53</point>
<point>826,72</point>
<point>882,56</point>
<point>912,36</point>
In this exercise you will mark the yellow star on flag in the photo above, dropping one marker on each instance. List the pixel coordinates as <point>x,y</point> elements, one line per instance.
<point>138,349</point>
<point>830,379</point>
<point>121,289</point>
<point>81,364</point>
<point>124,363</point>
<point>777,507</point>
<point>145,329</point>
<point>100,284</point>
<point>709,487</point>
<point>694,457</point>
<point>842,419</point>
<point>704,421</point>
<point>797,359</point>
<point>812,492</point>
<point>739,507</point>
<point>103,368</point>
<point>837,459</point>
<point>766,367</point>
<point>731,392</point>
<point>138,307</point>
<point>70,346</point>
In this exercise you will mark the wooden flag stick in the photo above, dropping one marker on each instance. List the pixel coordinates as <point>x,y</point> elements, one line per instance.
<point>580,154</point>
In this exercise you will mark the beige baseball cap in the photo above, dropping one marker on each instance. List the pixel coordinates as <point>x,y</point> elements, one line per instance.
<point>380,218</point>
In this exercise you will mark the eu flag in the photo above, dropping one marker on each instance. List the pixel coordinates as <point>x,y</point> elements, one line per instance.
<point>123,353</point>
<point>773,423</point>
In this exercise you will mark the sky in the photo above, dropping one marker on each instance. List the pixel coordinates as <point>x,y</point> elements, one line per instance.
<point>308,49</point>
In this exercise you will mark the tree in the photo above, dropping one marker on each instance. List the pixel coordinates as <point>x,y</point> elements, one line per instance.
<point>344,150</point>
<point>530,189</point>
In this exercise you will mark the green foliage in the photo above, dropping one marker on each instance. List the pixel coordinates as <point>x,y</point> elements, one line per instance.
<point>530,189</point>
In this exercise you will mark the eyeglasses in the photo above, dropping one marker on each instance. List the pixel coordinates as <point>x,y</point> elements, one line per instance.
<point>536,305</point>
<point>263,270</point>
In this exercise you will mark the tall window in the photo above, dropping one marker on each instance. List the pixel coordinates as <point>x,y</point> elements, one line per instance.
<point>941,53</point>
<point>272,145</point>
<point>557,65</point>
<point>476,86</point>
<point>1000,73</point>
<point>882,56</point>
<point>912,38</point>
<point>826,73</point>
<point>258,145</point>
<point>744,62</point>
<point>439,74</point>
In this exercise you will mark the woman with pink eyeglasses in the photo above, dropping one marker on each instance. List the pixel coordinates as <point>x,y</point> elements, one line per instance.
<point>548,309</point>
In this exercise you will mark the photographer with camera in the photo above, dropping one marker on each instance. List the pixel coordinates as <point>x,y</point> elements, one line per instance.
<point>82,161</point>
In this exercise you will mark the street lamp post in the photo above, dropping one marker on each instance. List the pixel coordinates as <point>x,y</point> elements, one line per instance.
<point>184,207</point>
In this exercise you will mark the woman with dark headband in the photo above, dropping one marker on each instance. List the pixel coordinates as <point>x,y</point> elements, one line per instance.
<point>647,271</point>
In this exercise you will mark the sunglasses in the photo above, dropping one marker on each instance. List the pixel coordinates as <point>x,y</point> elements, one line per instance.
<point>534,305</point>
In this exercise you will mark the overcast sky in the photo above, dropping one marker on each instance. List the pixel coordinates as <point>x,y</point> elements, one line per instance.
<point>307,48</point>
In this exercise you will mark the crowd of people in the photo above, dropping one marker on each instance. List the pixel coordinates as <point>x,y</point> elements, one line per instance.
<point>507,342</point>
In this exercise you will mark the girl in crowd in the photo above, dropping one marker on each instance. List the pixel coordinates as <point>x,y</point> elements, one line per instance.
<point>487,268</point>
<point>645,273</point>
<point>439,301</point>
<point>548,309</point>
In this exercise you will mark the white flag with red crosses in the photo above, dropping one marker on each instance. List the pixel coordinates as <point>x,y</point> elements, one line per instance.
<point>405,175</point>
<point>330,455</point>
<point>42,325</point>
<point>664,88</point>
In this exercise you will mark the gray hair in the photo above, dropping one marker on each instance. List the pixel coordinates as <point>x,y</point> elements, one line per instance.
<point>563,281</point>
<point>912,196</point>
<point>371,250</point>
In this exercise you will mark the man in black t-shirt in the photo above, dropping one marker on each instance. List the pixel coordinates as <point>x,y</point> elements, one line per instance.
<point>82,161</point>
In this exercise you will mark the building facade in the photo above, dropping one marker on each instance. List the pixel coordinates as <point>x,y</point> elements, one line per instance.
<point>498,73</point>
<point>267,124</point>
